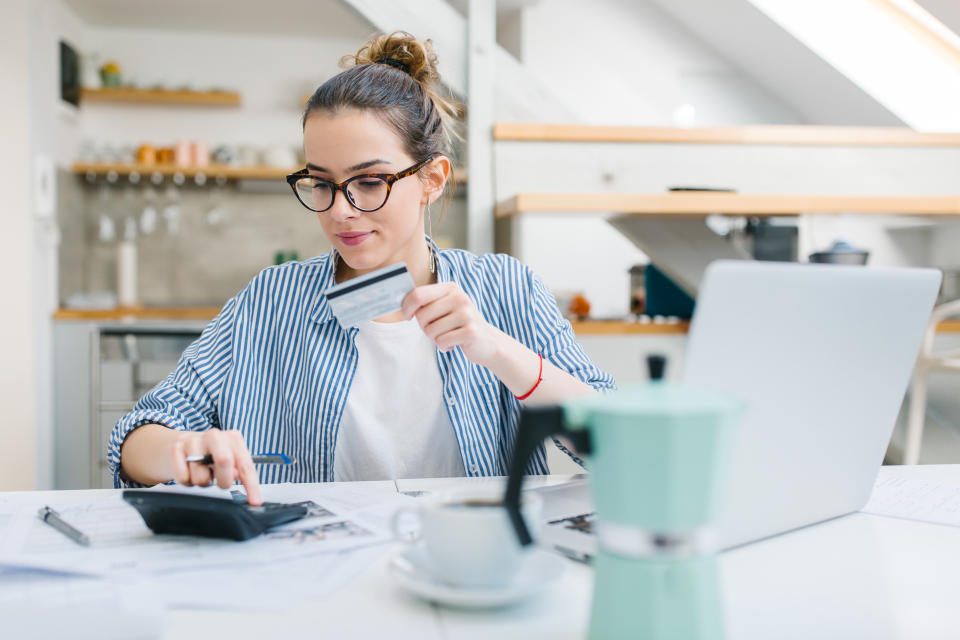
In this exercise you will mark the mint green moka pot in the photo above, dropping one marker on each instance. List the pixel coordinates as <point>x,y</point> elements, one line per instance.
<point>658,457</point>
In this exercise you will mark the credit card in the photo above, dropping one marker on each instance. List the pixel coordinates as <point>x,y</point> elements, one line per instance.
<point>369,296</point>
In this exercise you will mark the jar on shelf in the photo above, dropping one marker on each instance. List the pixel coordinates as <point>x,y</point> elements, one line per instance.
<point>182,153</point>
<point>111,75</point>
<point>146,154</point>
<point>199,153</point>
<point>165,155</point>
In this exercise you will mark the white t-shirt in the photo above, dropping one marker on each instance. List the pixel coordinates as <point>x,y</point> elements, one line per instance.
<point>395,423</point>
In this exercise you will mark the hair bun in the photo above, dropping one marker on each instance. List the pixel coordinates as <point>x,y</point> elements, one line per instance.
<point>393,62</point>
<point>401,51</point>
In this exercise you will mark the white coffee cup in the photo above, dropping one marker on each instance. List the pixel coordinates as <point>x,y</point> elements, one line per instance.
<point>467,536</point>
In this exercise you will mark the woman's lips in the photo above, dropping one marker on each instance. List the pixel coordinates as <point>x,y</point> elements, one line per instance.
<point>354,237</point>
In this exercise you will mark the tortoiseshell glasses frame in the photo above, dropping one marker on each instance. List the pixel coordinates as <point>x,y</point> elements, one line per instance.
<point>360,195</point>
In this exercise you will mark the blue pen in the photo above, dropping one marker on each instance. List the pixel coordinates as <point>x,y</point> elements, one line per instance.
<point>263,458</point>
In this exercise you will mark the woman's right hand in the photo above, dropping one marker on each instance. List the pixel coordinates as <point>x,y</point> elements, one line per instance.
<point>231,461</point>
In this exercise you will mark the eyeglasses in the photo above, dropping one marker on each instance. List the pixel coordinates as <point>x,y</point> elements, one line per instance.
<point>366,192</point>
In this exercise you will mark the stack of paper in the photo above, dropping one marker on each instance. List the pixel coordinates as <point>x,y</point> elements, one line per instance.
<point>309,557</point>
<point>916,499</point>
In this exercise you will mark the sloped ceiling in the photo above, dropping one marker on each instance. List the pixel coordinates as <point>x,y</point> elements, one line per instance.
<point>736,30</point>
<point>946,11</point>
<point>763,50</point>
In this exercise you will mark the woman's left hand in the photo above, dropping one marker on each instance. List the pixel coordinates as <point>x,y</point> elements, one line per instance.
<point>449,318</point>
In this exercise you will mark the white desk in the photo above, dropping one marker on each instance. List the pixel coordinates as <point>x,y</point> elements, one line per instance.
<point>860,576</point>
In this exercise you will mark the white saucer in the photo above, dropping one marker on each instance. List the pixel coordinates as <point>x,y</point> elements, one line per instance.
<point>410,567</point>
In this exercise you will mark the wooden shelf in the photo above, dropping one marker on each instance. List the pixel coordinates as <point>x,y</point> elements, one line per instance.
<point>162,96</point>
<point>755,135</point>
<point>704,203</point>
<point>587,327</point>
<point>949,326</point>
<point>213,170</point>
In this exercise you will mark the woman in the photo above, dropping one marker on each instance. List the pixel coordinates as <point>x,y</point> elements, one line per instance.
<point>432,390</point>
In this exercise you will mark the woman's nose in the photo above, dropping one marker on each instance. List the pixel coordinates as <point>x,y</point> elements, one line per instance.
<point>341,209</point>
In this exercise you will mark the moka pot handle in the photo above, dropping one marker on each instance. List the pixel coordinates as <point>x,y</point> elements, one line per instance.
<point>536,424</point>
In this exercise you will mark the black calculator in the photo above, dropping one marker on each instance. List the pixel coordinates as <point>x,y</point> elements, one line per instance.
<point>185,514</point>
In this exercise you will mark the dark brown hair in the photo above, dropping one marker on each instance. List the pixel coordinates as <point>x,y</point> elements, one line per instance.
<point>395,76</point>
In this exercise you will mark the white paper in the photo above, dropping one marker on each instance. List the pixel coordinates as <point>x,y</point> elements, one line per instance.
<point>916,499</point>
<point>83,608</point>
<point>135,574</point>
<point>274,587</point>
<point>122,545</point>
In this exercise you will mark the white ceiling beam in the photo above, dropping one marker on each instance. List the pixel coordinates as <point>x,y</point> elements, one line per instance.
<point>518,94</point>
<point>481,42</point>
<point>433,19</point>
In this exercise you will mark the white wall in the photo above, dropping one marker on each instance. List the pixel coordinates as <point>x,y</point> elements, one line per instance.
<point>18,388</point>
<point>627,62</point>
<point>615,62</point>
<point>946,247</point>
<point>36,128</point>
<point>53,131</point>
<point>55,125</point>
<point>272,73</point>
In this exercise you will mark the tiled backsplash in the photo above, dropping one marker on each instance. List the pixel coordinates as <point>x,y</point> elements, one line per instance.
<point>207,259</point>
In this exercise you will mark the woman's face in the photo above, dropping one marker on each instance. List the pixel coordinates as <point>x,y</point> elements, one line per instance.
<point>349,143</point>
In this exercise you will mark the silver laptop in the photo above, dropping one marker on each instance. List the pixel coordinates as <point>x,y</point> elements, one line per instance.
<point>822,355</point>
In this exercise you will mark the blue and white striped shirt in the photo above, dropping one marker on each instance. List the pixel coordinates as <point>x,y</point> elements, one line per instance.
<point>276,365</point>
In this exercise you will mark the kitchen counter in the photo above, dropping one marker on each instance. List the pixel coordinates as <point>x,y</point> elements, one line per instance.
<point>138,313</point>
<point>580,327</point>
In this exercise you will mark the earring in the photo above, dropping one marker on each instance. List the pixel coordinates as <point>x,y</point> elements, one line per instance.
<point>433,255</point>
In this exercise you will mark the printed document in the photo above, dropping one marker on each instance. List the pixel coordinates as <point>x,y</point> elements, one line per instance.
<point>122,545</point>
<point>916,498</point>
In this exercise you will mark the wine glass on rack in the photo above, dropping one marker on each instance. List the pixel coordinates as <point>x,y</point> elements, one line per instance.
<point>128,203</point>
<point>148,216</point>
<point>106,227</point>
<point>217,211</point>
<point>171,211</point>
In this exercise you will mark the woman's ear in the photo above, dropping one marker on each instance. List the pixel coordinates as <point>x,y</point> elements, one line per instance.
<point>435,176</point>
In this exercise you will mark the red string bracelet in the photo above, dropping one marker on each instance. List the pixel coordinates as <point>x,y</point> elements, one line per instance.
<point>536,384</point>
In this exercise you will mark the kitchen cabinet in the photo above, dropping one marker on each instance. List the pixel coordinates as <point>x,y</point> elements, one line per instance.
<point>103,365</point>
<point>100,371</point>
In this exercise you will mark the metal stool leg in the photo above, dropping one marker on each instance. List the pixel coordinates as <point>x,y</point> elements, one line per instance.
<point>916,416</point>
